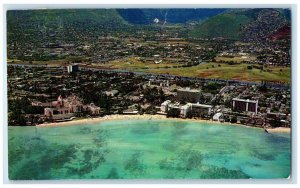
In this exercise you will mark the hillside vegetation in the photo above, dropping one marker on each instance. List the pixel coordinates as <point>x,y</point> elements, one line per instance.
<point>242,24</point>
<point>226,25</point>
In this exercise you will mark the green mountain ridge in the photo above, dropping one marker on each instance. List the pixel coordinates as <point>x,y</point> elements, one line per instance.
<point>241,24</point>
<point>229,23</point>
<point>69,15</point>
<point>226,25</point>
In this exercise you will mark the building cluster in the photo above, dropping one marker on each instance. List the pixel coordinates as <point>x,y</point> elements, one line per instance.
<point>64,109</point>
<point>187,110</point>
<point>58,94</point>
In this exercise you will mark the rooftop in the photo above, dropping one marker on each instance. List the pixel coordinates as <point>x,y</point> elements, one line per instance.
<point>245,100</point>
<point>201,105</point>
<point>189,90</point>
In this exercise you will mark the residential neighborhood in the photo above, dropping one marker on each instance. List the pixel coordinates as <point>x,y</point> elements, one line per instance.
<point>58,94</point>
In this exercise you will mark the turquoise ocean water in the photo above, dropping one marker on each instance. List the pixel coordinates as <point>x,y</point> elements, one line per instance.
<point>147,149</point>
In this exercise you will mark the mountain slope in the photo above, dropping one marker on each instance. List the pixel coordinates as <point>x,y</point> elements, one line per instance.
<point>39,27</point>
<point>29,24</point>
<point>244,24</point>
<point>226,25</point>
<point>133,16</point>
<point>146,16</point>
<point>266,23</point>
<point>28,30</point>
<point>69,15</point>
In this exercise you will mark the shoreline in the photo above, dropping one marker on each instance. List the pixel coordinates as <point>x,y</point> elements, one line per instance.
<point>150,117</point>
<point>279,130</point>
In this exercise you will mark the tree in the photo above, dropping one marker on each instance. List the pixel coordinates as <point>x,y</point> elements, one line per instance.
<point>141,111</point>
<point>120,111</point>
<point>17,109</point>
<point>263,88</point>
<point>154,95</point>
<point>151,110</point>
<point>275,122</point>
<point>233,119</point>
<point>16,118</point>
<point>173,112</point>
<point>189,114</point>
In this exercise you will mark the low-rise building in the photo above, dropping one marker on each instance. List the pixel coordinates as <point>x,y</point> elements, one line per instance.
<point>185,109</point>
<point>112,93</point>
<point>164,106</point>
<point>201,109</point>
<point>159,83</point>
<point>73,68</point>
<point>189,95</point>
<point>217,116</point>
<point>94,110</point>
<point>173,106</point>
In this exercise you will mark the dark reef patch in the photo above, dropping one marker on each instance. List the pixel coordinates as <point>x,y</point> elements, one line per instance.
<point>113,174</point>
<point>262,155</point>
<point>222,173</point>
<point>152,128</point>
<point>134,164</point>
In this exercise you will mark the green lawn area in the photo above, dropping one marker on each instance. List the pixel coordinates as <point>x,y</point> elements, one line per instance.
<point>134,63</point>
<point>225,71</point>
<point>235,59</point>
<point>13,60</point>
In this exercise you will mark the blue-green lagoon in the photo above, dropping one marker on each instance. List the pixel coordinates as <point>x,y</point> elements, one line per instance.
<point>147,149</point>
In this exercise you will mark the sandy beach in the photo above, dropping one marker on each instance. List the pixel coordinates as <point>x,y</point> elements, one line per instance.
<point>101,119</point>
<point>127,117</point>
<point>279,129</point>
<point>149,117</point>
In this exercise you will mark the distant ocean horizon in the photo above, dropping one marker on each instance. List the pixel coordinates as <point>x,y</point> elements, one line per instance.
<point>147,149</point>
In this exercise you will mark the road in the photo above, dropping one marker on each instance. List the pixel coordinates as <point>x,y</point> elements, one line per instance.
<point>167,76</point>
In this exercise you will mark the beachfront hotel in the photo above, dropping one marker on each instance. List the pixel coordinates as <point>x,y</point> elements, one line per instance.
<point>244,105</point>
<point>65,108</point>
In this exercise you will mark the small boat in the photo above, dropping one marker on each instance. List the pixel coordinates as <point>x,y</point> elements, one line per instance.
<point>266,131</point>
